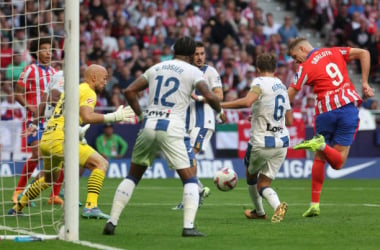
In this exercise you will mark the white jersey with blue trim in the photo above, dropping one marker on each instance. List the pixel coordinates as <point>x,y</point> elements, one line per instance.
<point>268,128</point>
<point>56,82</point>
<point>170,86</point>
<point>200,113</point>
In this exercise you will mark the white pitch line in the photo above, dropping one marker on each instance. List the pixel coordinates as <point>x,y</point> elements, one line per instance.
<point>214,204</point>
<point>96,245</point>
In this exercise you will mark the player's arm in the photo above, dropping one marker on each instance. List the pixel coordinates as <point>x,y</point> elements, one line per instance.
<point>41,107</point>
<point>365,63</point>
<point>244,102</point>
<point>289,118</point>
<point>292,92</point>
<point>209,96</point>
<point>20,98</point>
<point>131,94</point>
<point>218,92</point>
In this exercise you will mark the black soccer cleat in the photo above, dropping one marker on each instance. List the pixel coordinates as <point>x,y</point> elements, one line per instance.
<point>191,232</point>
<point>109,229</point>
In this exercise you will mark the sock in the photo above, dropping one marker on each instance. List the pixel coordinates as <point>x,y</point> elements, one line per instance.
<point>271,196</point>
<point>190,204</point>
<point>334,158</point>
<point>27,171</point>
<point>256,199</point>
<point>317,178</point>
<point>94,185</point>
<point>33,191</point>
<point>57,185</point>
<point>121,198</point>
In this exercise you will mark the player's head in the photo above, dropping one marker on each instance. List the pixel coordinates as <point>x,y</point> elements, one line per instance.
<point>184,46</point>
<point>40,50</point>
<point>266,62</point>
<point>96,76</point>
<point>199,58</point>
<point>299,48</point>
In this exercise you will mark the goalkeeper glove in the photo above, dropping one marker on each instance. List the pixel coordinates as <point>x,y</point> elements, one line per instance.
<point>82,133</point>
<point>122,114</point>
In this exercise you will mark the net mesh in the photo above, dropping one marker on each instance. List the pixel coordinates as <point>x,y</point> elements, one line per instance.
<point>23,23</point>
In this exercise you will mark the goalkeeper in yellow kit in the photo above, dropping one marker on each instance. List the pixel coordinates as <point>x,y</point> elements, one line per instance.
<point>52,141</point>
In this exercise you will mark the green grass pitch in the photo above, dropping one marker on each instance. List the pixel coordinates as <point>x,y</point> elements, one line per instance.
<point>350,218</point>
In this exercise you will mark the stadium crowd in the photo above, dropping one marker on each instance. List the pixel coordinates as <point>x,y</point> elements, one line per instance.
<point>127,37</point>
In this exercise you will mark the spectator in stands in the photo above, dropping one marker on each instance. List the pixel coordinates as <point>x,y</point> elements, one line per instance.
<point>97,50</point>
<point>111,145</point>
<point>206,10</point>
<point>258,16</point>
<point>10,109</point>
<point>6,52</point>
<point>148,18</point>
<point>308,110</point>
<point>109,43</point>
<point>159,28</point>
<point>222,29</point>
<point>340,23</point>
<point>193,20</point>
<point>287,30</point>
<point>129,39</point>
<point>230,79</point>
<point>238,20</point>
<point>270,27</point>
<point>356,6</point>
<point>14,69</point>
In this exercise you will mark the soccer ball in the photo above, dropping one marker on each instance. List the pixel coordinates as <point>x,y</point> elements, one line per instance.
<point>225,179</point>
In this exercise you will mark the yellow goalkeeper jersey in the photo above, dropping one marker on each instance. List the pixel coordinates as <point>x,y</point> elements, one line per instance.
<point>55,126</point>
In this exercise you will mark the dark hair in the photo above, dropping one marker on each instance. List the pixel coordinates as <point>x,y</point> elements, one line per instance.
<point>199,44</point>
<point>266,62</point>
<point>36,44</point>
<point>184,46</point>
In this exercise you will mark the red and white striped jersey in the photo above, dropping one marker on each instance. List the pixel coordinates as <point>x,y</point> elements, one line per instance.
<point>35,79</point>
<point>325,70</point>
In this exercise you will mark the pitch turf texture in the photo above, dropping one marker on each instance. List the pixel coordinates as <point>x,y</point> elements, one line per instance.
<point>349,219</point>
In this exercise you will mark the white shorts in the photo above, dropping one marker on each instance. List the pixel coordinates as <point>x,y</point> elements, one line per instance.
<point>266,161</point>
<point>200,137</point>
<point>177,149</point>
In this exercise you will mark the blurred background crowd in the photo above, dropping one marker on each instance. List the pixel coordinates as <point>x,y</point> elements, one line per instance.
<point>128,36</point>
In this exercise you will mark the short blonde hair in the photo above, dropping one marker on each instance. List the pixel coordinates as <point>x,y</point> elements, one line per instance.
<point>294,43</point>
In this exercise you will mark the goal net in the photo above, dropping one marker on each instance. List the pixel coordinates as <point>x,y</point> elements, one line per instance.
<point>21,22</point>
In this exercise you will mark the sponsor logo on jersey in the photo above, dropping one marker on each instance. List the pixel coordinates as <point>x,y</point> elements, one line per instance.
<point>89,100</point>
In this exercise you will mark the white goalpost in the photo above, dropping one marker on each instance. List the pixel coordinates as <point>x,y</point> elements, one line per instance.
<point>21,22</point>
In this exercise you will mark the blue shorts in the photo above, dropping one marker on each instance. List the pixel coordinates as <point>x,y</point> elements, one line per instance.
<point>338,126</point>
<point>37,136</point>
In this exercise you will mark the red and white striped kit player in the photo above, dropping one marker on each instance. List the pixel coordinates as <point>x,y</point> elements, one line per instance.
<point>35,78</point>
<point>327,66</point>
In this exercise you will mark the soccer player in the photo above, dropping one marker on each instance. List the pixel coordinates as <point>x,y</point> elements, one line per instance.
<point>269,139</point>
<point>29,91</point>
<point>51,146</point>
<point>201,125</point>
<point>171,84</point>
<point>337,116</point>
<point>49,100</point>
